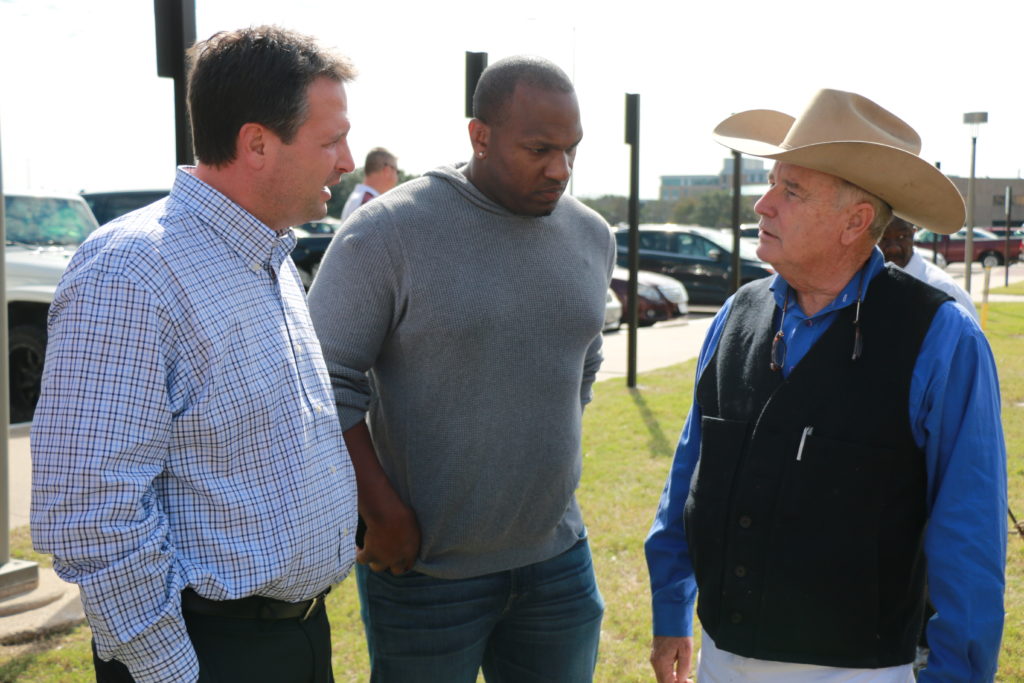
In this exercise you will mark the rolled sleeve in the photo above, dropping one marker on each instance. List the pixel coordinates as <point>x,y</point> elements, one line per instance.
<point>99,439</point>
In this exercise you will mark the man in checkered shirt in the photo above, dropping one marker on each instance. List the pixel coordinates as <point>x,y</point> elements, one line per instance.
<point>189,472</point>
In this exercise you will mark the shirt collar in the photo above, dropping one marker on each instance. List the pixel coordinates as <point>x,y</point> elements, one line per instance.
<point>254,242</point>
<point>847,296</point>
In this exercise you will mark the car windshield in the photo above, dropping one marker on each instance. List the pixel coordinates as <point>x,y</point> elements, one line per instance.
<point>47,221</point>
<point>723,239</point>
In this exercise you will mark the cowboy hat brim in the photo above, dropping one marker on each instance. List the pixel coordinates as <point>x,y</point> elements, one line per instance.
<point>917,191</point>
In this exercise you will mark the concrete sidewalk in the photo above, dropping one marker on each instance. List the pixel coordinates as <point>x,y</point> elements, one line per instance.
<point>19,469</point>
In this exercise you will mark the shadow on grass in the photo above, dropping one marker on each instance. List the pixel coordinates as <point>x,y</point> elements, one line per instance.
<point>658,443</point>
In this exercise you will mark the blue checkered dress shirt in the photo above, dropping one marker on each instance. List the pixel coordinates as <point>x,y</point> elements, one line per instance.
<point>186,434</point>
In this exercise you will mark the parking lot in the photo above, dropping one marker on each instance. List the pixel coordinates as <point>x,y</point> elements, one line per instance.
<point>676,341</point>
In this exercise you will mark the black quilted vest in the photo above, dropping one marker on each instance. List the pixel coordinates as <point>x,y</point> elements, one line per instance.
<point>816,560</point>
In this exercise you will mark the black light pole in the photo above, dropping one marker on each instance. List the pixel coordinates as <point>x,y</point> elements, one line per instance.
<point>175,33</point>
<point>737,184</point>
<point>1006,249</point>
<point>476,62</point>
<point>633,140</point>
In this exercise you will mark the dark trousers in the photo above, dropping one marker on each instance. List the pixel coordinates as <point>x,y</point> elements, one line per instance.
<point>233,650</point>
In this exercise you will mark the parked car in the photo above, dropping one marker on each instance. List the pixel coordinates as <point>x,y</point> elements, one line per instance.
<point>308,252</point>
<point>107,206</point>
<point>989,248</point>
<point>312,237</point>
<point>659,297</point>
<point>931,256</point>
<point>700,258</point>
<point>1000,231</point>
<point>327,225</point>
<point>42,231</point>
<point>612,312</point>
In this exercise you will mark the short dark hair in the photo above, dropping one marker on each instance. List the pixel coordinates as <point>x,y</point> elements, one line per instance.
<point>499,80</point>
<point>377,159</point>
<point>254,75</point>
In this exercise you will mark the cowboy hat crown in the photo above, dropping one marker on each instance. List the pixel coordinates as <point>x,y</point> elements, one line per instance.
<point>849,136</point>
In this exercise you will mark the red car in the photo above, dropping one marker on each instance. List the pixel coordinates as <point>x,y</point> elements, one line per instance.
<point>989,248</point>
<point>659,297</point>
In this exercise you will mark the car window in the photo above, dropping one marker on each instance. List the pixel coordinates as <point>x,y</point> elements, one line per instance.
<point>47,220</point>
<point>703,247</point>
<point>655,241</point>
<point>686,245</point>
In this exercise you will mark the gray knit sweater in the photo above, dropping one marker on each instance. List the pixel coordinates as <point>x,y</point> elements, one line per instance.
<point>472,337</point>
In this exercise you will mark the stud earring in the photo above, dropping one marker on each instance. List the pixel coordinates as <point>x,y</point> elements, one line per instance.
<point>480,155</point>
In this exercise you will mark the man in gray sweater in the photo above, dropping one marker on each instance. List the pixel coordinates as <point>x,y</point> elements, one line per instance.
<point>460,317</point>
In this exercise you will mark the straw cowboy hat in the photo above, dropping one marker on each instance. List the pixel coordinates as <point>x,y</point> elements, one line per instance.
<point>851,137</point>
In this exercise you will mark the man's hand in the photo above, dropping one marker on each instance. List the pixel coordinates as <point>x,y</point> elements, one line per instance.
<point>392,540</point>
<point>671,658</point>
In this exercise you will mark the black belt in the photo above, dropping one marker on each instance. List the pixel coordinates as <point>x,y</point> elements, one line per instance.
<point>252,607</point>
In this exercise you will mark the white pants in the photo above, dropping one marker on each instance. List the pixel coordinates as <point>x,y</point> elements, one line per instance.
<point>719,666</point>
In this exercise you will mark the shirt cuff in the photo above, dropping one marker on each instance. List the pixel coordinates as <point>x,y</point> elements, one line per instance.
<point>161,655</point>
<point>672,619</point>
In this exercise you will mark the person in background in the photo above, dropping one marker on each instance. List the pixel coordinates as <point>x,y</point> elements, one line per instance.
<point>844,446</point>
<point>188,470</point>
<point>460,315</point>
<point>381,170</point>
<point>897,245</point>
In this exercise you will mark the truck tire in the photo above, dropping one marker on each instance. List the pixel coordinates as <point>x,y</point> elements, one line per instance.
<point>990,259</point>
<point>26,352</point>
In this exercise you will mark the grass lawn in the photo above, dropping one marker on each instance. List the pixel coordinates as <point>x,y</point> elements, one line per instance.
<point>1013,288</point>
<point>629,438</point>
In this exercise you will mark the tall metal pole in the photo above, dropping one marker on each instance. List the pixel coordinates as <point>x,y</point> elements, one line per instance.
<point>633,140</point>
<point>1006,249</point>
<point>5,394</point>
<point>737,184</point>
<point>973,119</point>
<point>16,576</point>
<point>969,244</point>
<point>476,62</point>
<point>175,23</point>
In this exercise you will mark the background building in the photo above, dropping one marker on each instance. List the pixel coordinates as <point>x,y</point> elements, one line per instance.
<point>990,200</point>
<point>676,187</point>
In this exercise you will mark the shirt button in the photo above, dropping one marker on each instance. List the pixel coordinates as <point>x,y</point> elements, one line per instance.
<point>254,266</point>
<point>333,469</point>
<point>740,571</point>
<point>745,522</point>
<point>736,617</point>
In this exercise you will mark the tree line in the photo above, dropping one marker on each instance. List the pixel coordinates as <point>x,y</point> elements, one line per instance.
<point>711,209</point>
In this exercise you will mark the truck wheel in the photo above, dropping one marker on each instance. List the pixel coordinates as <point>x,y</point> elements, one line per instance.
<point>27,351</point>
<point>990,259</point>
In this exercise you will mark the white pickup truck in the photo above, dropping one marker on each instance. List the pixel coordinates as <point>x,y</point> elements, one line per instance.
<point>41,231</point>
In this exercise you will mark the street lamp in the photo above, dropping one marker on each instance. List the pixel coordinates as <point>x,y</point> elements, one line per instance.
<point>973,119</point>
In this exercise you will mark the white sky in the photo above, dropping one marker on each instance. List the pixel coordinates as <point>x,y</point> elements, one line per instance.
<point>82,107</point>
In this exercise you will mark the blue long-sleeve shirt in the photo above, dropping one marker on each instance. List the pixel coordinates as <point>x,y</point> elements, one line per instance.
<point>955,421</point>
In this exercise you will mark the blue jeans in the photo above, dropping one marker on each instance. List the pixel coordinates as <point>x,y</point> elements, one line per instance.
<point>541,622</point>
